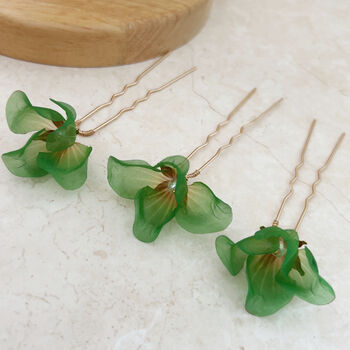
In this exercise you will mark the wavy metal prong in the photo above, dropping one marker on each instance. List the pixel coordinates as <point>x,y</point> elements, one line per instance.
<point>318,179</point>
<point>223,123</point>
<point>296,173</point>
<point>138,101</point>
<point>124,89</point>
<point>233,138</point>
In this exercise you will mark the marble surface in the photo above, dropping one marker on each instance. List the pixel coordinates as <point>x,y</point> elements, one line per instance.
<point>72,275</point>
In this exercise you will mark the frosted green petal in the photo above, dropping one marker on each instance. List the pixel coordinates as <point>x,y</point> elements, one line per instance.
<point>127,177</point>
<point>66,134</point>
<point>292,251</point>
<point>62,138</point>
<point>265,295</point>
<point>181,165</point>
<point>22,117</point>
<point>23,162</point>
<point>230,255</point>
<point>68,167</point>
<point>203,212</point>
<point>306,282</point>
<point>49,114</point>
<point>70,111</point>
<point>272,231</point>
<point>253,246</point>
<point>290,237</point>
<point>153,209</point>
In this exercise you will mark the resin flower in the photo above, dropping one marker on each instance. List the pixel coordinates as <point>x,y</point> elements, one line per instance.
<point>161,193</point>
<point>278,267</point>
<point>52,149</point>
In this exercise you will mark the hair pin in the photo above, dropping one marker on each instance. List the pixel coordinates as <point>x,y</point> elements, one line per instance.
<point>161,192</point>
<point>124,89</point>
<point>278,265</point>
<point>53,149</point>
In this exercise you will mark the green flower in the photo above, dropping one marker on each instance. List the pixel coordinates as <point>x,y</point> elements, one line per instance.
<point>52,149</point>
<point>161,193</point>
<point>277,268</point>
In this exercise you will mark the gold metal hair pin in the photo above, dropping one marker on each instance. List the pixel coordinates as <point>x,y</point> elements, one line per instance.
<point>296,173</point>
<point>279,265</point>
<point>138,101</point>
<point>53,149</point>
<point>161,192</point>
<point>124,89</point>
<point>234,137</point>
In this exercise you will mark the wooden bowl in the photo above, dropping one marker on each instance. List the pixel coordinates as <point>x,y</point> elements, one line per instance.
<point>91,33</point>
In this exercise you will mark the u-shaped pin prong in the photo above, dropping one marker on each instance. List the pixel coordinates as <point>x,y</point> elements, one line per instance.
<point>234,137</point>
<point>138,101</point>
<point>123,90</point>
<point>223,123</point>
<point>296,173</point>
<point>318,179</point>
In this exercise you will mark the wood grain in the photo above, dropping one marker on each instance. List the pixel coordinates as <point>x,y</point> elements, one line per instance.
<point>90,33</point>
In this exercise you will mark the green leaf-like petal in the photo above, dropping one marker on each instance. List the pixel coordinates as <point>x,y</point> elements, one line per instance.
<point>306,282</point>
<point>68,167</point>
<point>178,162</point>
<point>70,111</point>
<point>202,211</point>
<point>66,134</point>
<point>275,231</point>
<point>230,255</point>
<point>290,237</point>
<point>127,177</point>
<point>62,138</point>
<point>153,209</point>
<point>265,295</point>
<point>22,117</point>
<point>49,114</point>
<point>253,246</point>
<point>23,162</point>
<point>181,165</point>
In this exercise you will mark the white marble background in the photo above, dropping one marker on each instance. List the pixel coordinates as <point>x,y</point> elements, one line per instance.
<point>73,277</point>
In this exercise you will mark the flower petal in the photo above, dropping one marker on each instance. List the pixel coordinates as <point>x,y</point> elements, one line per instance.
<point>68,167</point>
<point>254,246</point>
<point>22,117</point>
<point>23,162</point>
<point>181,165</point>
<point>70,111</point>
<point>290,237</point>
<point>153,209</point>
<point>265,294</point>
<point>127,177</point>
<point>66,134</point>
<point>230,255</point>
<point>202,211</point>
<point>49,114</point>
<point>306,282</point>
<point>62,138</point>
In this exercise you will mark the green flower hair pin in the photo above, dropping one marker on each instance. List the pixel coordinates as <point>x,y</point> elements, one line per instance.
<point>278,265</point>
<point>161,192</point>
<point>53,148</point>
